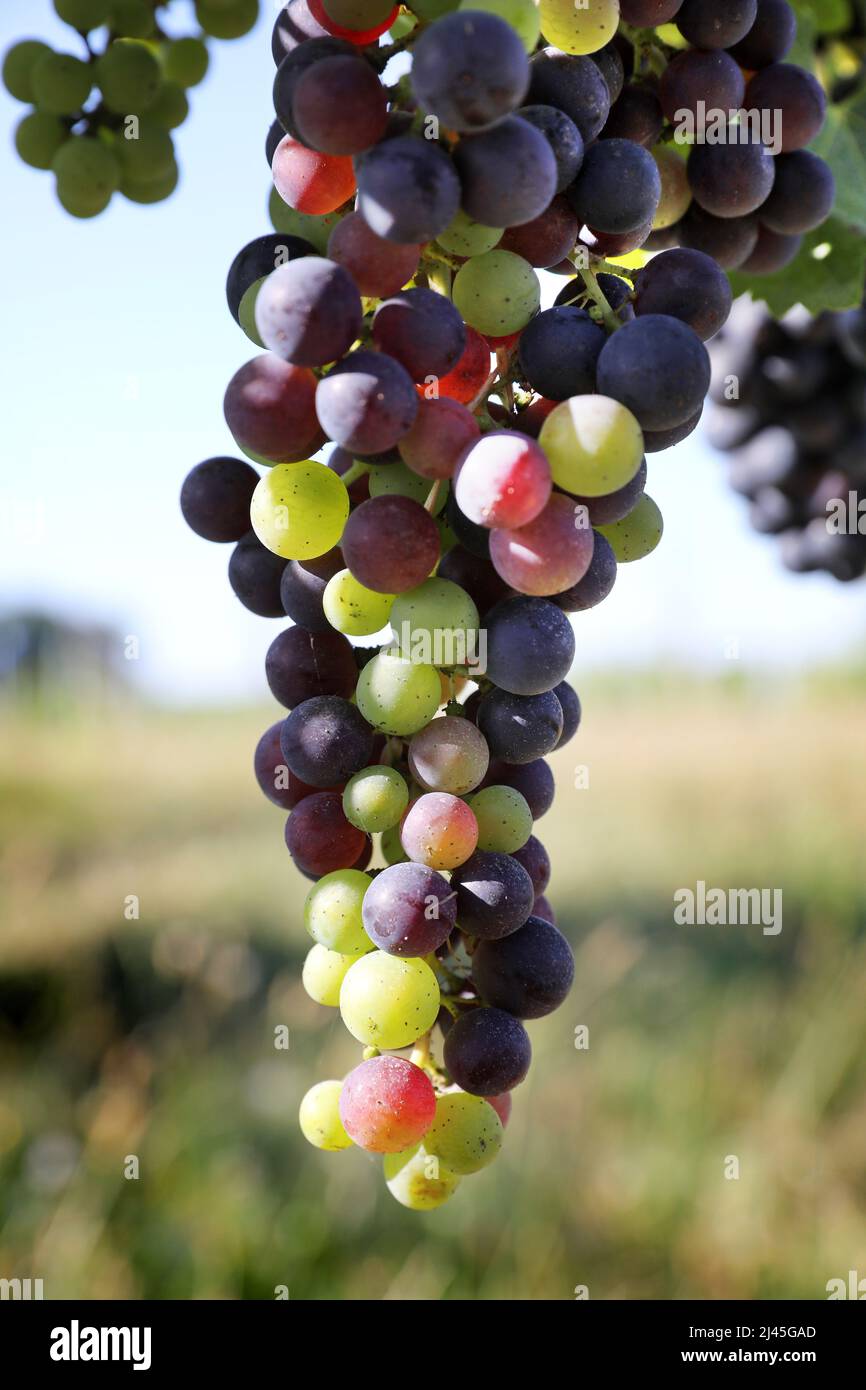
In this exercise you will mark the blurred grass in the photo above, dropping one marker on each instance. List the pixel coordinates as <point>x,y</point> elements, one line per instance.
<point>154,1037</point>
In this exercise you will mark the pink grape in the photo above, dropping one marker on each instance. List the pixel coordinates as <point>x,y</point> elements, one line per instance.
<point>548,555</point>
<point>503,480</point>
<point>387,1104</point>
<point>439,830</point>
<point>502,1106</point>
<point>442,431</point>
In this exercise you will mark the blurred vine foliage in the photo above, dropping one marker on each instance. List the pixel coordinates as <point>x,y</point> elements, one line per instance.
<point>100,116</point>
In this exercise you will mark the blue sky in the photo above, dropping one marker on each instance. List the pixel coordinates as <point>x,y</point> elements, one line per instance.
<point>117,347</point>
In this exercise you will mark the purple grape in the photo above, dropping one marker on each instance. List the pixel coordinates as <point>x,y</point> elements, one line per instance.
<point>494,894</point>
<point>409,910</point>
<point>326,740</point>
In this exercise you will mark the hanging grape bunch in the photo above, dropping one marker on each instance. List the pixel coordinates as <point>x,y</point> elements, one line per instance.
<point>487,478</point>
<point>101,120</point>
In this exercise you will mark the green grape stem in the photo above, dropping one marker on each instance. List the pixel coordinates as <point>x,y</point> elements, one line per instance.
<point>351,475</point>
<point>611,322</point>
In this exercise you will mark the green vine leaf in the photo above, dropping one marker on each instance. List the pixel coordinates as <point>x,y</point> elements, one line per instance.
<point>824,16</point>
<point>828,273</point>
<point>842,143</point>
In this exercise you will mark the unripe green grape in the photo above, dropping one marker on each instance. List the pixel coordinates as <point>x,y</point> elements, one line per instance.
<point>522,15</point>
<point>441,619</point>
<point>83,15</point>
<point>594,445</point>
<point>61,84</point>
<point>319,1117</point>
<point>579,28</point>
<point>149,156</point>
<point>39,137</point>
<point>323,974</point>
<point>185,61</point>
<point>133,19</point>
<point>129,77</point>
<point>497,293</point>
<point>638,534</point>
<point>433,9</point>
<point>375,799</point>
<point>332,912</point>
<point>299,509</point>
<point>504,819</point>
<point>314,229</point>
<point>396,480</point>
<point>171,107</point>
<point>402,26</point>
<point>18,66</point>
<point>389,1001</point>
<point>398,696</point>
<point>464,237</point>
<point>87,174</point>
<point>247,312</point>
<point>392,847</point>
<point>227,21</point>
<point>466,1133</point>
<point>154,191</point>
<point>419,1180</point>
<point>353,609</point>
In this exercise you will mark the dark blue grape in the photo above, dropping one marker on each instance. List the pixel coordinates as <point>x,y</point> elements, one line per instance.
<point>494,894</point>
<point>422,330</point>
<point>255,574</point>
<point>303,586</point>
<point>520,728</point>
<point>618,188</point>
<point>564,139</point>
<point>258,259</point>
<point>528,974</point>
<point>687,285</point>
<point>309,312</point>
<point>536,861</point>
<point>366,402</point>
<point>470,69</point>
<point>558,352</point>
<point>657,367</point>
<point>215,498</point>
<point>595,585</point>
<point>571,714</point>
<point>409,910</point>
<point>572,84</point>
<point>803,193</point>
<point>487,1051</point>
<point>325,741</point>
<point>530,645</point>
<point>507,174</point>
<point>300,664</point>
<point>408,189</point>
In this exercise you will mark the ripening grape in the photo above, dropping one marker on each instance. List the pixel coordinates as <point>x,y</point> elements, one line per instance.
<point>390,544</point>
<point>504,479</point>
<point>319,1117</point>
<point>408,189</point>
<point>323,974</point>
<point>418,1180</point>
<point>502,1106</point>
<point>504,819</point>
<point>332,912</point>
<point>129,77</point>
<point>676,195</point>
<point>497,293</point>
<point>310,181</point>
<point>549,554</point>
<point>358,14</point>
<point>320,839</point>
<point>593,443</point>
<point>449,755</point>
<point>398,696</point>
<point>18,65</point>
<point>409,910</point>
<point>439,830</point>
<point>388,1002</point>
<point>466,1133</point>
<point>354,609</point>
<point>375,798</point>
<point>339,105</point>
<point>38,137</point>
<point>638,534</point>
<point>387,1104</point>
<point>465,237</point>
<point>443,429</point>
<point>185,61</point>
<point>309,311</point>
<point>299,510</point>
<point>227,19</point>
<point>378,267</point>
<point>60,83</point>
<point>579,28</point>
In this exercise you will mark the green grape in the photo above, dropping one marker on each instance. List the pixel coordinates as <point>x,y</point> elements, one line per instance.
<point>433,9</point>
<point>398,696</point>
<point>353,609</point>
<point>676,193</point>
<point>396,480</point>
<point>186,61</point>
<point>154,191</point>
<point>418,1180</point>
<point>579,28</point>
<point>18,65</point>
<point>504,819</point>
<point>39,137</point>
<point>129,76</point>
<point>497,293</point>
<point>319,1117</point>
<point>447,538</point>
<point>83,15</point>
<point>375,799</point>
<point>638,534</point>
<point>594,445</point>
<point>464,237</point>
<point>323,974</point>
<point>466,1133</point>
<point>132,18</point>
<point>392,847</point>
<point>315,230</point>
<point>389,1001</point>
<point>227,21</point>
<point>247,312</point>
<point>358,14</point>
<point>522,15</point>
<point>171,107</point>
<point>150,155</point>
<point>437,623</point>
<point>61,84</point>
<point>299,509</point>
<point>332,912</point>
<point>402,26</point>
<point>87,174</point>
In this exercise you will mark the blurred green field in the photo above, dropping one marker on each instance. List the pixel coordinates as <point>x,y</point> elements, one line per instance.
<point>154,1037</point>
